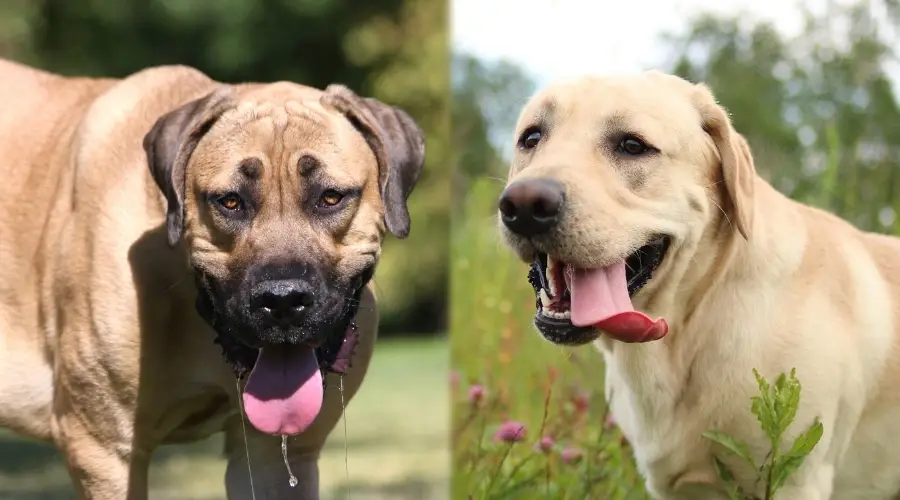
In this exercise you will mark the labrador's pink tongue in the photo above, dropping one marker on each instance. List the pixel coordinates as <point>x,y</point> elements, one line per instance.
<point>284,391</point>
<point>599,297</point>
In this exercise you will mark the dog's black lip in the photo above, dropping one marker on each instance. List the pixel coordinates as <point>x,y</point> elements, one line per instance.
<point>334,353</point>
<point>563,332</point>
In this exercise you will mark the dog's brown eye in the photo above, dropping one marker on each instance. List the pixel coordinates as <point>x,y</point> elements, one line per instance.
<point>231,202</point>
<point>530,138</point>
<point>330,198</point>
<point>633,146</point>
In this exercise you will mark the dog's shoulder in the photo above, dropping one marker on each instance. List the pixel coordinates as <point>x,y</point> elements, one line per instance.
<point>128,109</point>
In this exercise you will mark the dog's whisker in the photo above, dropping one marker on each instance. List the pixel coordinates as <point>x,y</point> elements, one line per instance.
<point>237,386</point>
<point>727,219</point>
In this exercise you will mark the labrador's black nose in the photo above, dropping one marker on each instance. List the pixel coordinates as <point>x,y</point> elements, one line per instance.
<point>532,206</point>
<point>284,301</point>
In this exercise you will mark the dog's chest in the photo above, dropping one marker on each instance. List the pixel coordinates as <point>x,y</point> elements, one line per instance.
<point>199,417</point>
<point>663,410</point>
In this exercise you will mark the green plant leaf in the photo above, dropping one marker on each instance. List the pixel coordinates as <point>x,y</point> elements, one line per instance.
<point>727,478</point>
<point>783,468</point>
<point>787,400</point>
<point>735,446</point>
<point>733,490</point>
<point>763,407</point>
<point>804,443</point>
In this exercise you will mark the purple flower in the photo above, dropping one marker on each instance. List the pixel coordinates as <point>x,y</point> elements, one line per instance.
<point>545,445</point>
<point>571,455</point>
<point>510,432</point>
<point>476,394</point>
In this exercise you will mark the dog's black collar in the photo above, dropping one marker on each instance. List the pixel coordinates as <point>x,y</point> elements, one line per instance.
<point>334,356</point>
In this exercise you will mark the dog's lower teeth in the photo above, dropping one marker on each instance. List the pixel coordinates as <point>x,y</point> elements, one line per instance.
<point>556,314</point>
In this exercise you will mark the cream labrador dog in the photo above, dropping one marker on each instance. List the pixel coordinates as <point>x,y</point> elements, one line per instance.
<point>151,218</point>
<point>651,235</point>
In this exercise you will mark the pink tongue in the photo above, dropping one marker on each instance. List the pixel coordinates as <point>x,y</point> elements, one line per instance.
<point>600,298</point>
<point>284,391</point>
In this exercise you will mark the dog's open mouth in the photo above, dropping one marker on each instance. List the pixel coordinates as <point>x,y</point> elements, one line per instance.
<point>286,387</point>
<point>575,304</point>
<point>285,382</point>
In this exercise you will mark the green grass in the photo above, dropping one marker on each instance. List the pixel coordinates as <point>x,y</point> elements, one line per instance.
<point>554,392</point>
<point>396,440</point>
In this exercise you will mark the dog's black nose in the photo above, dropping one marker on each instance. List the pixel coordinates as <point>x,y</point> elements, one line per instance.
<point>282,301</point>
<point>532,206</point>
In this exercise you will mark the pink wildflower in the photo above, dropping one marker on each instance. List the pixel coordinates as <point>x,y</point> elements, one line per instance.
<point>476,394</point>
<point>545,445</point>
<point>510,432</point>
<point>571,455</point>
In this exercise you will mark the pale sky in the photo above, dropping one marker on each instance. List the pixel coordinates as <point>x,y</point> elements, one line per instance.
<point>554,39</point>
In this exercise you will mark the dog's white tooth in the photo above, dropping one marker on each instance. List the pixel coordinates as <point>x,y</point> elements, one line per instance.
<point>545,299</point>
<point>555,315</point>
<point>565,315</point>
<point>550,283</point>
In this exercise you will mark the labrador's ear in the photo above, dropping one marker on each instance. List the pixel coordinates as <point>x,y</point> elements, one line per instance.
<point>169,146</point>
<point>399,147</point>
<point>738,171</point>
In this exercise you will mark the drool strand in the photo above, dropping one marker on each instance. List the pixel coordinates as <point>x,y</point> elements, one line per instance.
<point>344,418</point>
<point>237,386</point>
<point>292,479</point>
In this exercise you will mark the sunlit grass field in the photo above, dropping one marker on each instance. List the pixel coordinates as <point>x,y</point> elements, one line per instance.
<point>396,441</point>
<point>505,372</point>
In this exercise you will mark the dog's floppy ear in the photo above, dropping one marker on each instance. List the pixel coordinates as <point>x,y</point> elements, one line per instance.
<point>738,170</point>
<point>169,146</point>
<point>399,147</point>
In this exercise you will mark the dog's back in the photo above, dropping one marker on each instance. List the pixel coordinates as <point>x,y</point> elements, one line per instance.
<point>37,107</point>
<point>40,111</point>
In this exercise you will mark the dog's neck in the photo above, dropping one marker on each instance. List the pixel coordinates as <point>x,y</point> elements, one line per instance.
<point>721,270</point>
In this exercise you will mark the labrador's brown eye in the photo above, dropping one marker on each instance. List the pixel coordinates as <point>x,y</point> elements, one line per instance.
<point>330,198</point>
<point>530,138</point>
<point>231,201</point>
<point>633,146</point>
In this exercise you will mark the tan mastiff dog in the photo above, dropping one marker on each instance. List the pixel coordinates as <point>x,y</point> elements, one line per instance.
<point>652,236</point>
<point>147,218</point>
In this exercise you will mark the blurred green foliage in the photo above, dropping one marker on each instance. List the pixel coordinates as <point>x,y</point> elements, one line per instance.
<point>819,110</point>
<point>395,50</point>
<point>823,120</point>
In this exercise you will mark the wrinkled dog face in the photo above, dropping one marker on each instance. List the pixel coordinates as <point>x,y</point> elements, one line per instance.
<point>282,195</point>
<point>610,177</point>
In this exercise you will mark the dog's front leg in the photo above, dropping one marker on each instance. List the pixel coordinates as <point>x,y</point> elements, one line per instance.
<point>94,426</point>
<point>265,476</point>
<point>102,467</point>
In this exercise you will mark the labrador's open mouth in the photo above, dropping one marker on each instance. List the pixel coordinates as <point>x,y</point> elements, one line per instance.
<point>574,305</point>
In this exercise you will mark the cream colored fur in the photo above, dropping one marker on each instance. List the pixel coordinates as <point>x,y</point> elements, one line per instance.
<point>753,279</point>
